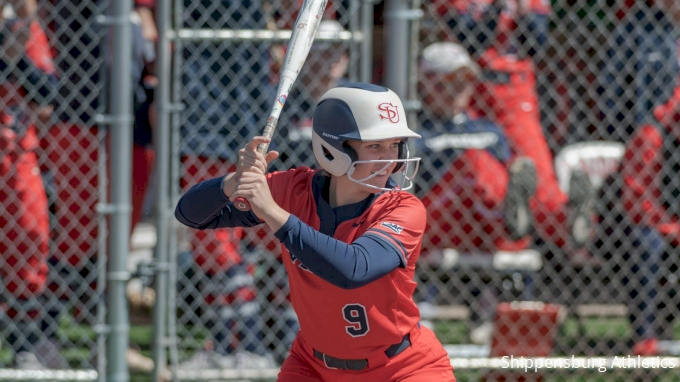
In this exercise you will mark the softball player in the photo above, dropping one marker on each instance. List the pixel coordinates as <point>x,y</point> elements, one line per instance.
<point>350,240</point>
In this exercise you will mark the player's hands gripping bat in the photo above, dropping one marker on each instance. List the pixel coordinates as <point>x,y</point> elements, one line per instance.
<point>299,44</point>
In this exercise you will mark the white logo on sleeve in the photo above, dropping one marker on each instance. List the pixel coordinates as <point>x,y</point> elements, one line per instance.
<point>394,227</point>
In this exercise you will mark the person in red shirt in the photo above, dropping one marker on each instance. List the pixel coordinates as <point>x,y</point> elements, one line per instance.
<point>480,194</point>
<point>468,157</point>
<point>648,223</point>
<point>350,239</point>
<point>507,39</point>
<point>26,95</point>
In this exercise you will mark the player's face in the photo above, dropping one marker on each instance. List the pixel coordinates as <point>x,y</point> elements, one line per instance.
<point>375,150</point>
<point>447,95</point>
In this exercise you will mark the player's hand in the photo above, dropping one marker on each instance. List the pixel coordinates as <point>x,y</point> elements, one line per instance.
<point>253,186</point>
<point>248,160</point>
<point>251,160</point>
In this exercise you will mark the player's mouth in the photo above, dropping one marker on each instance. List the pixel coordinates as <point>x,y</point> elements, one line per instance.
<point>381,173</point>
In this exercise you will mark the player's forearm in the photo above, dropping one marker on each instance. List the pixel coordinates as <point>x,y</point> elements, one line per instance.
<point>201,204</point>
<point>204,206</point>
<point>275,217</point>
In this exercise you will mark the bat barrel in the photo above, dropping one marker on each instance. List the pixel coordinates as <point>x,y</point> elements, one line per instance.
<point>299,44</point>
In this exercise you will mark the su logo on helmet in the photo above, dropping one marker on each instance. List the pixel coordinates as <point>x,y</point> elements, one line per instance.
<point>389,112</point>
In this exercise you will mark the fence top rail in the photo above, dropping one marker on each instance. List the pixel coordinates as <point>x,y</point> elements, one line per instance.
<point>255,35</point>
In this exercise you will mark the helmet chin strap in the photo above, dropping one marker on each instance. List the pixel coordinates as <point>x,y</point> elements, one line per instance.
<point>407,181</point>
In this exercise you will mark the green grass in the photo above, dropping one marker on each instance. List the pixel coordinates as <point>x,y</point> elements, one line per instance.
<point>597,328</point>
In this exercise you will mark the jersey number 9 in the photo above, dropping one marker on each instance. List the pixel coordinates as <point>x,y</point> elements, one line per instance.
<point>356,315</point>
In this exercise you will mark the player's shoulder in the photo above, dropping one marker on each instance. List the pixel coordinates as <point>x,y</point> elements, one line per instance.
<point>398,210</point>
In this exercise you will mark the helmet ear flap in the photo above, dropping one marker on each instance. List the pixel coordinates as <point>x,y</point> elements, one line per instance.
<point>336,162</point>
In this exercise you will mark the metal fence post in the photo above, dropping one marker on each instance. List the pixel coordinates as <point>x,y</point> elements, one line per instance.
<point>366,58</point>
<point>396,53</point>
<point>164,218</point>
<point>121,169</point>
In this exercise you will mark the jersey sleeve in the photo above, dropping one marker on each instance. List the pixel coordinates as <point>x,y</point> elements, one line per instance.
<point>204,206</point>
<point>344,265</point>
<point>401,226</point>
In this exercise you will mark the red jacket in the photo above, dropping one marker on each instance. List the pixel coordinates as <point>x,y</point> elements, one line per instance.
<point>642,170</point>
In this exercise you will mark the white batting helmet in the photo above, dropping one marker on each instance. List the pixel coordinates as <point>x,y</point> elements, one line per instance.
<point>363,112</point>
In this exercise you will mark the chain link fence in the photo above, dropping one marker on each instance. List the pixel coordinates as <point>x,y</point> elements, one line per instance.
<point>540,177</point>
<point>52,181</point>
<point>549,172</point>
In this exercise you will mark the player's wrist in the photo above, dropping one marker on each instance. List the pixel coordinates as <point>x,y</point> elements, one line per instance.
<point>275,217</point>
<point>229,184</point>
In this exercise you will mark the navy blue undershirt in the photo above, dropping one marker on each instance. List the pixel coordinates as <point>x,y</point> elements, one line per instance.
<point>344,265</point>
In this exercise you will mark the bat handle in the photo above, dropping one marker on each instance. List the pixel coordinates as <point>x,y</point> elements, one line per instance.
<point>242,203</point>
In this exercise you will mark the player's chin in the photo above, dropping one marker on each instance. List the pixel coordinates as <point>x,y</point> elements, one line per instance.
<point>381,183</point>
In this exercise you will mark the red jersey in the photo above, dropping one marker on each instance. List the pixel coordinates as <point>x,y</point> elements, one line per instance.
<point>354,323</point>
<point>477,7</point>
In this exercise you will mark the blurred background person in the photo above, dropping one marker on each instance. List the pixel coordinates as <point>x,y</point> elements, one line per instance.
<point>507,38</point>
<point>458,147</point>
<point>475,190</point>
<point>480,192</point>
<point>641,225</point>
<point>27,90</point>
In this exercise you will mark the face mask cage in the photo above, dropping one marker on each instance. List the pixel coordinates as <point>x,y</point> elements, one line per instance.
<point>407,172</point>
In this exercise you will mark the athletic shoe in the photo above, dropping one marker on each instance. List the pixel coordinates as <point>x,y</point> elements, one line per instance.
<point>248,360</point>
<point>45,355</point>
<point>521,187</point>
<point>481,335</point>
<point>581,208</point>
<point>204,360</point>
<point>48,350</point>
